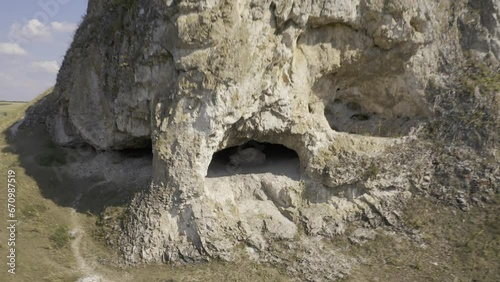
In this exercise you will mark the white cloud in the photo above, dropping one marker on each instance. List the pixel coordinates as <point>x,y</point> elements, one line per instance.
<point>37,30</point>
<point>48,66</point>
<point>12,49</point>
<point>64,27</point>
<point>33,29</point>
<point>20,81</point>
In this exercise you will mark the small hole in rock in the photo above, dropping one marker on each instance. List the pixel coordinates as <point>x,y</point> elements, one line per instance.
<point>360,117</point>
<point>136,153</point>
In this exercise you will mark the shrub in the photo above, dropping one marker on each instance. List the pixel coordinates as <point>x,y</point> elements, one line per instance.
<point>466,110</point>
<point>372,171</point>
<point>125,4</point>
<point>60,237</point>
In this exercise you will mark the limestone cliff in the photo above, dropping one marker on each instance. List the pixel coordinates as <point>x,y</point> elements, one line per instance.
<point>357,88</point>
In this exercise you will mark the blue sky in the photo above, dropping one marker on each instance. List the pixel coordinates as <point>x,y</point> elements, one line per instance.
<point>34,37</point>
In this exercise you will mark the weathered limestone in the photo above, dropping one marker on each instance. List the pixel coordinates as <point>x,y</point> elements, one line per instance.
<point>195,77</point>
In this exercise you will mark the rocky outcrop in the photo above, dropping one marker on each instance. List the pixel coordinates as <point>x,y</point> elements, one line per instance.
<point>196,77</point>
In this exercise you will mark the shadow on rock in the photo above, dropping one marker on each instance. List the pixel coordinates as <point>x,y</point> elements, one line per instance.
<point>80,177</point>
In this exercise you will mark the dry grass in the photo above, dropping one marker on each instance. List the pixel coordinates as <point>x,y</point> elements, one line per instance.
<point>10,112</point>
<point>454,246</point>
<point>37,217</point>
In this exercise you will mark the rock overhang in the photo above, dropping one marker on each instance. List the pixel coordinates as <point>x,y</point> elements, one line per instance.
<point>208,75</point>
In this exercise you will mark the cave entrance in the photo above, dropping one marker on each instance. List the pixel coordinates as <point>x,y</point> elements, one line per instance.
<point>352,117</point>
<point>255,157</point>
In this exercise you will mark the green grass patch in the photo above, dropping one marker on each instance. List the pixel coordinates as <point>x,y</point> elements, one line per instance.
<point>60,237</point>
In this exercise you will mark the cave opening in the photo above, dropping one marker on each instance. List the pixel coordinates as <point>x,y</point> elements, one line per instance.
<point>254,157</point>
<point>354,118</point>
<point>144,151</point>
<point>125,173</point>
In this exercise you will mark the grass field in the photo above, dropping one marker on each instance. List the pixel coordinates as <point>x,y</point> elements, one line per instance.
<point>37,217</point>
<point>454,246</point>
<point>10,111</point>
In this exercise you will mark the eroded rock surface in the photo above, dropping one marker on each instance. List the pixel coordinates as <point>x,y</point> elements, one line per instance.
<point>195,77</point>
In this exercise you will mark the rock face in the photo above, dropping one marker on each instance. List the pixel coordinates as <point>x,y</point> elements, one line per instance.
<point>196,77</point>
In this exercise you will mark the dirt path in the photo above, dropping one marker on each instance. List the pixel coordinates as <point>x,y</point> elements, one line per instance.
<point>85,267</point>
